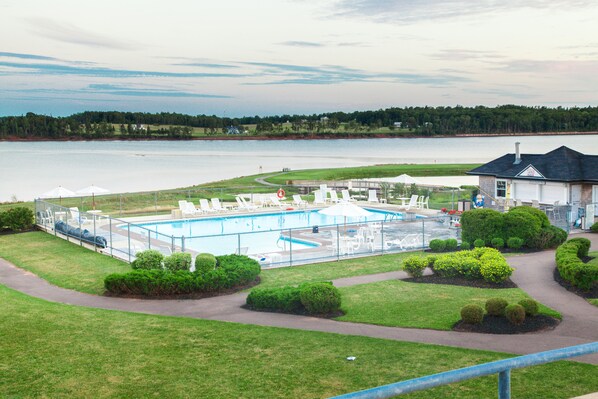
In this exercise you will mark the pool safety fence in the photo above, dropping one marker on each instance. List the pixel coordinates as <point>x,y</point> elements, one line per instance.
<point>277,247</point>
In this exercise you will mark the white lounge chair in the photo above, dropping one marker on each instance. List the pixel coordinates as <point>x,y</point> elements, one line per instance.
<point>412,202</point>
<point>76,217</point>
<point>192,210</point>
<point>318,198</point>
<point>298,201</point>
<point>334,197</point>
<point>244,205</point>
<point>347,196</point>
<point>424,203</point>
<point>217,206</point>
<point>204,205</point>
<point>372,197</point>
<point>276,202</point>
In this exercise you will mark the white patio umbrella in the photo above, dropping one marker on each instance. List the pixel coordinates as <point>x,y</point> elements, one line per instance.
<point>405,179</point>
<point>345,209</point>
<point>93,190</point>
<point>58,192</point>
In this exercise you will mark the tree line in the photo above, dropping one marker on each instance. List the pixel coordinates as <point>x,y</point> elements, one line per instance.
<point>425,121</point>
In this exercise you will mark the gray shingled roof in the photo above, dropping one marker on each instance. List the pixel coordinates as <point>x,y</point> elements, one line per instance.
<point>562,164</point>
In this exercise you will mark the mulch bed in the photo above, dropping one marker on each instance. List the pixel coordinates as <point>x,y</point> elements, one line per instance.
<point>500,325</point>
<point>434,279</point>
<point>593,293</point>
<point>197,295</point>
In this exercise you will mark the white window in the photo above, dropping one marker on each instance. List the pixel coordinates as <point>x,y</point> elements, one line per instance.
<point>555,192</point>
<point>526,191</point>
<point>501,188</point>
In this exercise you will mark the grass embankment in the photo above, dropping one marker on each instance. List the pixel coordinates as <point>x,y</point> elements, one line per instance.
<point>397,303</point>
<point>57,350</point>
<point>164,200</point>
<point>61,263</point>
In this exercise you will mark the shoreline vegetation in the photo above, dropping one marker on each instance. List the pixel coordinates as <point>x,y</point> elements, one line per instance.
<point>384,123</point>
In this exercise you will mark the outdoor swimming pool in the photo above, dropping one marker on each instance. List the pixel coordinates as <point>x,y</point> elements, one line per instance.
<point>259,233</point>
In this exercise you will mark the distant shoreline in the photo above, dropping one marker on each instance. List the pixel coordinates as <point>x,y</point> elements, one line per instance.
<point>321,136</point>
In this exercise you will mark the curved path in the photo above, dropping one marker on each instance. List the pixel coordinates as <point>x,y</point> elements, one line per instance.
<point>533,275</point>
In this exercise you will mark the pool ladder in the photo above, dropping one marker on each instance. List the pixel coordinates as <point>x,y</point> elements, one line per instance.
<point>284,243</point>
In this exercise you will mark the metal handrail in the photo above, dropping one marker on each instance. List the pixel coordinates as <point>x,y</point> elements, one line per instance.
<point>502,367</point>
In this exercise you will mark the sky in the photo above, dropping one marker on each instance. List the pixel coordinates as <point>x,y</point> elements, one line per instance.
<point>271,57</point>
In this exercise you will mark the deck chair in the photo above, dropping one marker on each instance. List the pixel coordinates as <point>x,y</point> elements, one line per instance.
<point>276,202</point>
<point>422,202</point>
<point>76,217</point>
<point>412,202</point>
<point>318,198</point>
<point>347,196</point>
<point>334,197</point>
<point>217,206</point>
<point>204,205</point>
<point>192,210</point>
<point>244,205</point>
<point>372,197</point>
<point>298,201</point>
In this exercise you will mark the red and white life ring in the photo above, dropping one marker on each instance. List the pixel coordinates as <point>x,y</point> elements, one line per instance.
<point>280,193</point>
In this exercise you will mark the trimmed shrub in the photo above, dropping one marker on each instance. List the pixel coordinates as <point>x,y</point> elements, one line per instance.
<point>497,243</point>
<point>472,314</point>
<point>483,224</point>
<point>531,307</point>
<point>284,299</point>
<point>594,228</point>
<point>149,260</point>
<point>234,271</point>
<point>17,219</point>
<point>451,244</point>
<point>515,313</point>
<point>437,245</point>
<point>479,243</point>
<point>415,265</point>
<point>205,262</point>
<point>549,237</point>
<point>320,298</point>
<point>496,306</point>
<point>515,242</point>
<point>583,246</point>
<point>178,261</point>
<point>431,259</point>
<point>570,266</point>
<point>494,267</point>
<point>465,245</point>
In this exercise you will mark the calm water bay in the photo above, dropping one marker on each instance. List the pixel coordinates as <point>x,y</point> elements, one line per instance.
<point>31,168</point>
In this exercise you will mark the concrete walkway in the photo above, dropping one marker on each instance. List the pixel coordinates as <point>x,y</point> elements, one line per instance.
<point>533,275</point>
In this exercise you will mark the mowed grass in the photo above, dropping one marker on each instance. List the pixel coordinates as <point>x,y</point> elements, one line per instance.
<point>56,350</point>
<point>332,270</point>
<point>402,304</point>
<point>61,263</point>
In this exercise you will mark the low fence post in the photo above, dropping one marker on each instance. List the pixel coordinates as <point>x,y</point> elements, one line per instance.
<point>129,240</point>
<point>504,384</point>
<point>110,221</point>
<point>290,248</point>
<point>182,243</point>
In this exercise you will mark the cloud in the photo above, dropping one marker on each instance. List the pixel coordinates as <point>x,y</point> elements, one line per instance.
<point>27,56</point>
<point>574,68</point>
<point>72,34</point>
<point>207,65</point>
<point>409,11</point>
<point>464,55</point>
<point>301,44</point>
<point>140,92</point>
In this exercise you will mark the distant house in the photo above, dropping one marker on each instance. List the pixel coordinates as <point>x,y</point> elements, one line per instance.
<point>324,119</point>
<point>139,126</point>
<point>397,124</point>
<point>232,130</point>
<point>562,176</point>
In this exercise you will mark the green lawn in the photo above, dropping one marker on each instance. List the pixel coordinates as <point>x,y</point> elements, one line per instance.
<point>62,263</point>
<point>56,350</point>
<point>401,304</point>
<point>332,270</point>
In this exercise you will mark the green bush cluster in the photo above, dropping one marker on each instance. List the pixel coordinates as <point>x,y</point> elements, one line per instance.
<point>415,265</point>
<point>515,242</point>
<point>496,306</point>
<point>515,313</point>
<point>320,298</point>
<point>524,222</point>
<point>480,263</point>
<point>497,243</point>
<point>472,314</point>
<point>479,243</point>
<point>530,306</point>
<point>178,261</point>
<point>232,271</point>
<point>16,219</point>
<point>594,228</point>
<point>439,245</point>
<point>465,245</point>
<point>572,268</point>
<point>205,262</point>
<point>148,260</point>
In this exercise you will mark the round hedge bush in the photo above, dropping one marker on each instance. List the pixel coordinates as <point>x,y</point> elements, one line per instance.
<point>515,242</point>
<point>437,245</point>
<point>515,313</point>
<point>472,314</point>
<point>497,243</point>
<point>479,243</point>
<point>320,298</point>
<point>531,307</point>
<point>178,261</point>
<point>451,244</point>
<point>465,245</point>
<point>496,306</point>
<point>594,228</point>
<point>205,262</point>
<point>148,260</point>
<point>415,265</point>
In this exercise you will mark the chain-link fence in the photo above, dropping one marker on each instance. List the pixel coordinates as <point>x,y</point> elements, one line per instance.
<point>122,238</point>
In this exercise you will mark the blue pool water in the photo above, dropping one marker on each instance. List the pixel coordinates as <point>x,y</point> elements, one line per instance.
<point>224,234</point>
